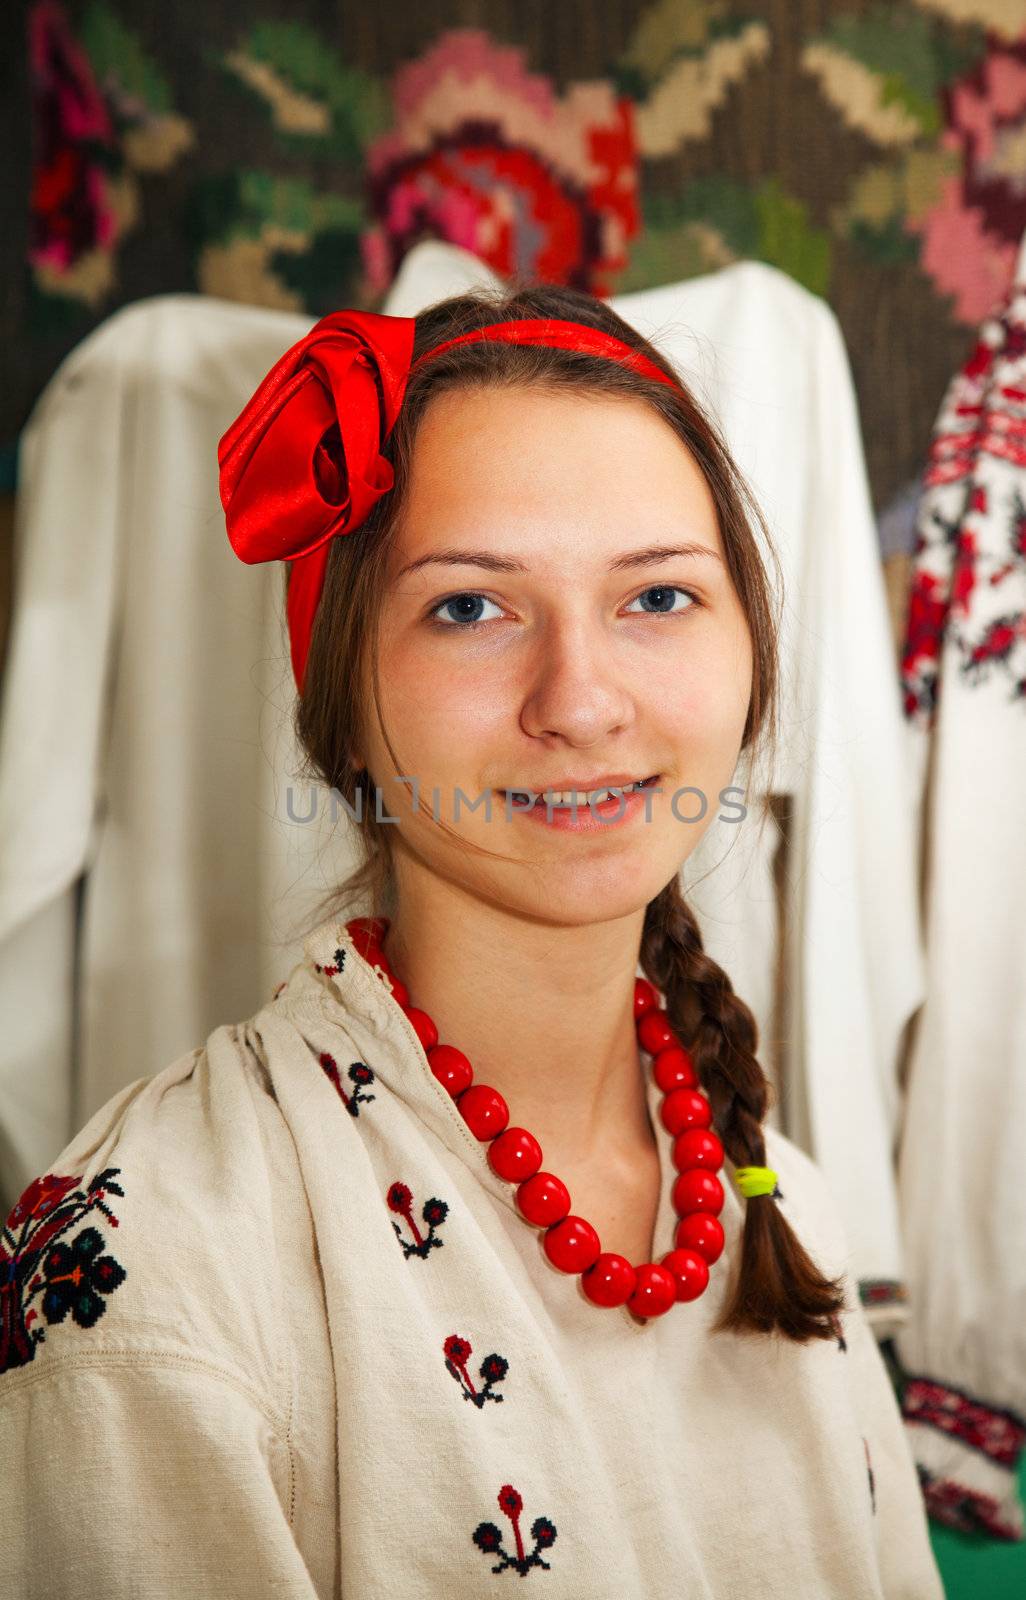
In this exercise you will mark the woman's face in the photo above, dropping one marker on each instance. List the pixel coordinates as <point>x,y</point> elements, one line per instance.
<point>533,635</point>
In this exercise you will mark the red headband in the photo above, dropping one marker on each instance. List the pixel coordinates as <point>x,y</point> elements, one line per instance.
<point>291,479</point>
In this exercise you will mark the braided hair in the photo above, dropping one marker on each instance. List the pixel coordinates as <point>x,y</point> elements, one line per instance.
<point>777,1286</point>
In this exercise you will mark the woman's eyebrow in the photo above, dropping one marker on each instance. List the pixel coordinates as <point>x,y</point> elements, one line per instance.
<point>495,563</point>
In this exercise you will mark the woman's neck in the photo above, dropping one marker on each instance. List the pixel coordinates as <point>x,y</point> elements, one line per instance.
<point>544,1013</point>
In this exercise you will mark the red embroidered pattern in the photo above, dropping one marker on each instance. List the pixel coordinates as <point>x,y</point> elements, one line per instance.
<point>35,1260</point>
<point>492,1370</point>
<point>332,971</point>
<point>968,585</point>
<point>999,1435</point>
<point>882,1292</point>
<point>359,1075</point>
<point>434,1213</point>
<point>966,1509</point>
<point>488,1537</point>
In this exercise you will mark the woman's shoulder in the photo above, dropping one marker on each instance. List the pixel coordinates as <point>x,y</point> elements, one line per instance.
<point>152,1234</point>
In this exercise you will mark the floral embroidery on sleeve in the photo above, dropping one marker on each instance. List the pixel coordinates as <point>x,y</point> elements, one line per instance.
<point>492,1370</point>
<point>38,1263</point>
<point>489,1538</point>
<point>359,1075</point>
<point>434,1213</point>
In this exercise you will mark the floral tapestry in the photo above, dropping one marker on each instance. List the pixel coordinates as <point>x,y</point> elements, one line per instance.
<point>290,156</point>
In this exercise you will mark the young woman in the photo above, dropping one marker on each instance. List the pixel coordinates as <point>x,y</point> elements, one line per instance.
<point>468,1260</point>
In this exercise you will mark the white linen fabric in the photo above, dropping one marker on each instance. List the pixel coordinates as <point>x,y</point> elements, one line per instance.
<point>145,740</point>
<point>962,1202</point>
<point>277,1328</point>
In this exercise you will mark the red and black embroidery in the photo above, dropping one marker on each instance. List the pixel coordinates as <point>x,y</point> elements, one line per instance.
<point>968,1510</point>
<point>492,1370</point>
<point>869,1469</point>
<point>996,1433</point>
<point>882,1292</point>
<point>433,1212</point>
<point>65,1274</point>
<point>488,1537</point>
<point>968,586</point>
<point>333,971</point>
<point>359,1075</point>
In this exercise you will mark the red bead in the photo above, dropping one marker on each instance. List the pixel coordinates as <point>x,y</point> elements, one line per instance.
<point>423,1027</point>
<point>611,1281</point>
<point>400,993</point>
<point>673,1068</point>
<point>655,1292</point>
<point>697,1190</point>
<point>543,1199</point>
<point>451,1067</point>
<point>685,1108</point>
<point>654,1032</point>
<point>483,1110</point>
<point>697,1147</point>
<point>515,1155</point>
<point>646,998</point>
<point>701,1232</point>
<point>690,1270</point>
<point>572,1245</point>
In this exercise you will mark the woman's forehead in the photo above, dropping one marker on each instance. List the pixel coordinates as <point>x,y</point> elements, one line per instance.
<point>523,464</point>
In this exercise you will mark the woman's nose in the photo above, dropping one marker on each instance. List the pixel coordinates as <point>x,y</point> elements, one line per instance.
<point>577,687</point>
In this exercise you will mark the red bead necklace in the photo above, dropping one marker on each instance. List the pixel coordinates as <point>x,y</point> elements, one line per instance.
<point>514,1154</point>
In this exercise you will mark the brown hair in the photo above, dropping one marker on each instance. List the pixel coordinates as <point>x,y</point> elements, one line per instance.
<point>777,1287</point>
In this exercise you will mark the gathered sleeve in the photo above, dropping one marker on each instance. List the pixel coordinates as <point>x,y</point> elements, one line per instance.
<point>127,1475</point>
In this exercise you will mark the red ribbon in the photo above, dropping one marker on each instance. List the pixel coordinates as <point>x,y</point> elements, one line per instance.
<point>302,462</point>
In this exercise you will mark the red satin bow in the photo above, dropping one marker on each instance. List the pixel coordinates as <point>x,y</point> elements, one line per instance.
<point>302,462</point>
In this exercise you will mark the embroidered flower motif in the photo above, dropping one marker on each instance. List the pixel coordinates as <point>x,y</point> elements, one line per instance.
<point>332,971</point>
<point>486,155</point>
<point>970,235</point>
<point>492,1370</point>
<point>488,1537</point>
<point>101,118</point>
<point>359,1075</point>
<point>36,1260</point>
<point>433,1212</point>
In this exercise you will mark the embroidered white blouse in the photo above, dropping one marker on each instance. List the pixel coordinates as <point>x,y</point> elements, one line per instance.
<point>272,1326</point>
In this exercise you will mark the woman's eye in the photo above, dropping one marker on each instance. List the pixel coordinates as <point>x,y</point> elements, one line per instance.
<point>465,612</point>
<point>661,595</point>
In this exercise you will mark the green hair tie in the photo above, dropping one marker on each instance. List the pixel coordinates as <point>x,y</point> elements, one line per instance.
<point>755,1180</point>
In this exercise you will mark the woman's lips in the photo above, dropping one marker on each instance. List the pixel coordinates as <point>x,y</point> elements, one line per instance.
<point>584,817</point>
